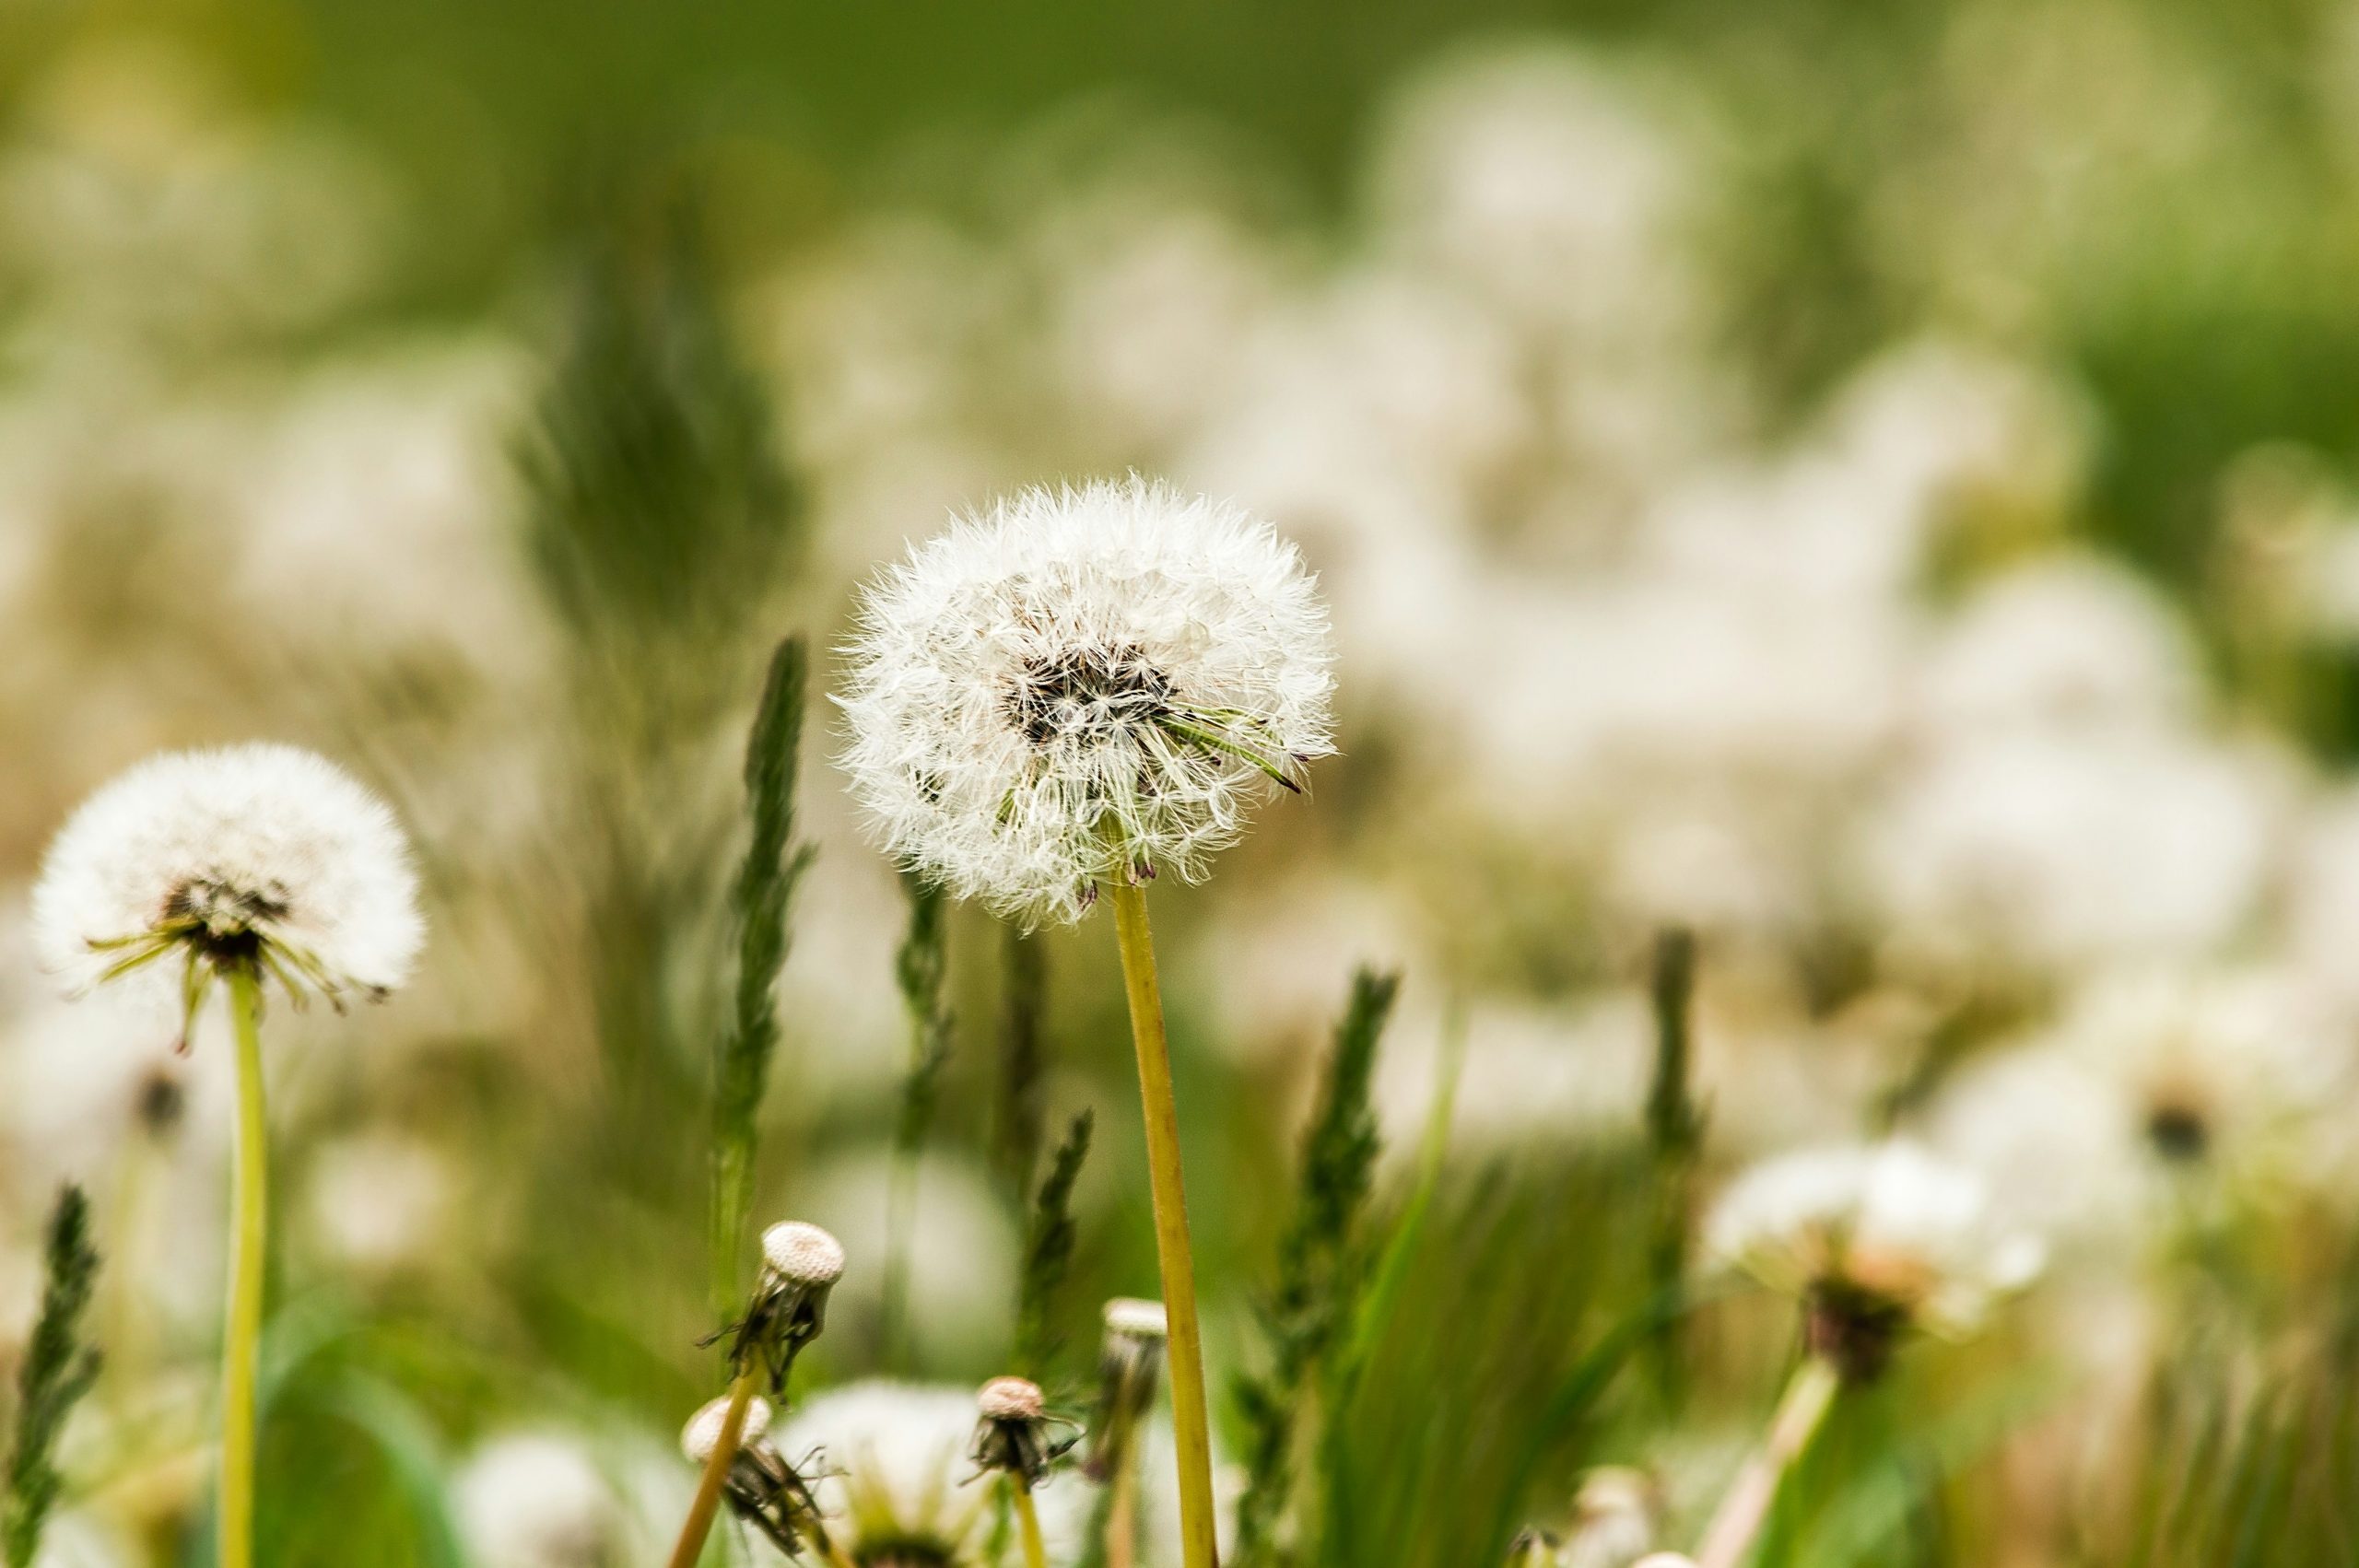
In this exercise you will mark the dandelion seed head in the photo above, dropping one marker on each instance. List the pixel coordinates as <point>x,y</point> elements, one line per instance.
<point>1136,1319</point>
<point>535,1500</point>
<point>1875,1240</point>
<point>1617,1515</point>
<point>259,854</point>
<point>803,1254</point>
<point>702,1434</point>
<point>1083,683</point>
<point>1009,1399</point>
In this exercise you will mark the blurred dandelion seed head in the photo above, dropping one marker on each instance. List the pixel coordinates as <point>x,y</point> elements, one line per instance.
<point>535,1500</point>
<point>1083,683</point>
<point>1132,1318</point>
<point>1874,1241</point>
<point>260,854</point>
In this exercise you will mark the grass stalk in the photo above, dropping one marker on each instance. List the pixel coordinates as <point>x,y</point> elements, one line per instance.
<point>1190,1420</point>
<point>249,1237</point>
<point>57,1370</point>
<point>760,902</point>
<point>921,971</point>
<point>1674,1136</point>
<point>1809,1395</point>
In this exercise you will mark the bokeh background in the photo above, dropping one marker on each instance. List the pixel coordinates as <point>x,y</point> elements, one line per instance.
<point>1869,485</point>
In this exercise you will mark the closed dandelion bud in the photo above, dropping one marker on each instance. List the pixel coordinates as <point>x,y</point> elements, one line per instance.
<point>1130,1362</point>
<point>1013,1433</point>
<point>702,1433</point>
<point>801,1264</point>
<point>761,1488</point>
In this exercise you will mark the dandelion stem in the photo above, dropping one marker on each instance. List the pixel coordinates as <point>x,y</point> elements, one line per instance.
<point>1808,1395</point>
<point>1028,1521</point>
<point>706,1502</point>
<point>249,1235</point>
<point>1121,1513</point>
<point>1191,1423</point>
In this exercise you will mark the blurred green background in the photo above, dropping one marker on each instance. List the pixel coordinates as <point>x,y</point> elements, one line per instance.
<point>1870,485</point>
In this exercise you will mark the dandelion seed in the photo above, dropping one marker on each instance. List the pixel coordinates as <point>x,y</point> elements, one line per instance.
<point>1084,684</point>
<point>259,857</point>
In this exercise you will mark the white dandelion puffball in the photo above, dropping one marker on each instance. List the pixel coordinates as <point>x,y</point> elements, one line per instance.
<point>1084,681</point>
<point>536,1500</point>
<point>261,855</point>
<point>1891,1223</point>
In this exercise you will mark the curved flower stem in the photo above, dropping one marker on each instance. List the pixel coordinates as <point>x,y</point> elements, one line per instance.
<point>1191,1423</point>
<point>1808,1395</point>
<point>1028,1521</point>
<point>706,1502</point>
<point>249,1234</point>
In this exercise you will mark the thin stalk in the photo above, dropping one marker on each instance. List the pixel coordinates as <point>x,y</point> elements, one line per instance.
<point>1190,1421</point>
<point>1122,1512</point>
<point>1808,1395</point>
<point>249,1235</point>
<point>706,1502</point>
<point>901,1222</point>
<point>1028,1521</point>
<point>1675,1135</point>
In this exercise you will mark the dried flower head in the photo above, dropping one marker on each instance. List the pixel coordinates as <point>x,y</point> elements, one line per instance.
<point>698,1438</point>
<point>1010,1399</point>
<point>762,1487</point>
<point>800,1263</point>
<point>796,1252</point>
<point>1874,1242</point>
<point>1129,1317</point>
<point>1013,1433</point>
<point>259,858</point>
<point>1084,683</point>
<point>1130,1362</point>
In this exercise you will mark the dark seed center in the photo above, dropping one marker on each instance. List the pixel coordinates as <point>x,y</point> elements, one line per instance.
<point>1086,693</point>
<point>227,917</point>
<point>2179,1133</point>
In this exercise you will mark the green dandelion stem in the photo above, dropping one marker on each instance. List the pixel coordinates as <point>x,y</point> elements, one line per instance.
<point>1191,1425</point>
